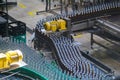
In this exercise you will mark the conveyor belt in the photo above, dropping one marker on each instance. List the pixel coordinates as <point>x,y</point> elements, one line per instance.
<point>36,62</point>
<point>69,54</point>
<point>94,11</point>
<point>70,58</point>
<point>109,27</point>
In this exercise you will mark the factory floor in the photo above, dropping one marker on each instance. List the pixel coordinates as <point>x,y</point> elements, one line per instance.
<point>26,12</point>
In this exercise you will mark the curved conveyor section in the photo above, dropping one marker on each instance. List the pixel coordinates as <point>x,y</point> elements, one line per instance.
<point>20,74</point>
<point>70,58</point>
<point>37,68</point>
<point>67,52</point>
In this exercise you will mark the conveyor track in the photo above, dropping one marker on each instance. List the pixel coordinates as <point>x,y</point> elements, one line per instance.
<point>109,27</point>
<point>67,53</point>
<point>70,58</point>
<point>94,11</point>
<point>36,62</point>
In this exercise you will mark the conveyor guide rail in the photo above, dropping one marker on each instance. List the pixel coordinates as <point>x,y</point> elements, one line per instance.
<point>109,27</point>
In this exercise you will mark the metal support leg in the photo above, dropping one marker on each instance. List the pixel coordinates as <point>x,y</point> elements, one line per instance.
<point>73,5</point>
<point>49,4</point>
<point>46,6</point>
<point>61,10</point>
<point>66,9</point>
<point>92,40</point>
<point>7,18</point>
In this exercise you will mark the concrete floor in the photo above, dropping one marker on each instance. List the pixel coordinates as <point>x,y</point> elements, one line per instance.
<point>26,12</point>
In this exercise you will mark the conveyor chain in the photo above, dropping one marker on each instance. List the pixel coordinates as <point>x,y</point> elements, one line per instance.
<point>69,55</point>
<point>67,51</point>
<point>37,63</point>
<point>111,8</point>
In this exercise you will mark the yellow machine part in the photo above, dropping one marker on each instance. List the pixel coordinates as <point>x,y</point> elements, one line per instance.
<point>14,56</point>
<point>47,26</point>
<point>62,24</point>
<point>53,28</point>
<point>3,61</point>
<point>10,57</point>
<point>55,25</point>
